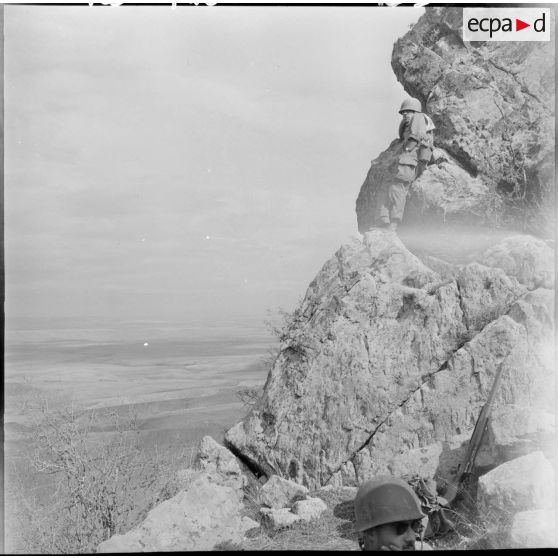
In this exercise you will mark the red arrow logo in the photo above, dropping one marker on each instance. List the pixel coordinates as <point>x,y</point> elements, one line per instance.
<point>519,25</point>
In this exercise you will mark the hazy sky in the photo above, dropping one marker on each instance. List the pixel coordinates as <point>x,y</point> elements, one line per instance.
<point>200,163</point>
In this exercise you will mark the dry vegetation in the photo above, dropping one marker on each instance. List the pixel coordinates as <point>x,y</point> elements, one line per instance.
<point>94,487</point>
<point>82,478</point>
<point>91,478</point>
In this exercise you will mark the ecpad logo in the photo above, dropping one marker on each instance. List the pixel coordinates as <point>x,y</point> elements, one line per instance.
<point>506,24</point>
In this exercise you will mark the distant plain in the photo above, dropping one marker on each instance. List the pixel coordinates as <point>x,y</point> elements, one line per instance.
<point>179,382</point>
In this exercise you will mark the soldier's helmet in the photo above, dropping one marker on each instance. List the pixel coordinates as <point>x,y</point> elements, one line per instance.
<point>384,500</point>
<point>410,104</point>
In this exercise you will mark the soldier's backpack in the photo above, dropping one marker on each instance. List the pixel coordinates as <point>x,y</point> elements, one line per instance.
<point>426,146</point>
<point>435,507</point>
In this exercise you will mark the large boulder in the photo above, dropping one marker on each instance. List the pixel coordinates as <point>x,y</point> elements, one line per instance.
<point>309,509</point>
<point>201,508</point>
<point>280,493</point>
<point>195,520</point>
<point>447,193</point>
<point>534,529</point>
<point>387,359</point>
<point>525,483</point>
<point>513,431</point>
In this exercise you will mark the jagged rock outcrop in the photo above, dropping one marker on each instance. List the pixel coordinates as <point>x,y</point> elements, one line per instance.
<point>201,510</point>
<point>493,107</point>
<point>385,359</point>
<point>198,518</point>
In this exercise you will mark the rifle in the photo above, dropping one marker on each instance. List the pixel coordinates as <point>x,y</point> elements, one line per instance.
<point>467,464</point>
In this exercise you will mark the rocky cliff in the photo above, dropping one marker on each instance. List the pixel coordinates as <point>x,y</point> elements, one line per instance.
<point>392,352</point>
<point>493,107</point>
<point>387,362</point>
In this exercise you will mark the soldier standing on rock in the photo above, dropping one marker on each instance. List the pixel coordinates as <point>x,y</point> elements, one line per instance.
<point>388,516</point>
<point>416,135</point>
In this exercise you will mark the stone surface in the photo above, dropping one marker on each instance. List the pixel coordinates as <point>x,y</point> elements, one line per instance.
<point>180,480</point>
<point>248,524</point>
<point>215,458</point>
<point>485,294</point>
<point>219,463</point>
<point>525,483</point>
<point>384,359</point>
<point>514,431</point>
<point>279,518</point>
<point>199,517</point>
<point>278,492</point>
<point>534,529</point>
<point>448,194</point>
<point>530,260</point>
<point>309,509</point>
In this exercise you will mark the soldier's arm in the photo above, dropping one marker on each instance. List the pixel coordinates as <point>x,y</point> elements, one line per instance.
<point>402,130</point>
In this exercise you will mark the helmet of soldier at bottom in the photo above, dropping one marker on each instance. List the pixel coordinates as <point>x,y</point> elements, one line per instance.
<point>384,500</point>
<point>410,104</point>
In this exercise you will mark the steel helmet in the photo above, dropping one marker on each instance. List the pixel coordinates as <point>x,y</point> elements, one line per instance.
<point>384,500</point>
<point>411,104</point>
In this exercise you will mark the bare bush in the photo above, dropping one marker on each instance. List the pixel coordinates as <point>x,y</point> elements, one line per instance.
<point>249,396</point>
<point>279,323</point>
<point>97,481</point>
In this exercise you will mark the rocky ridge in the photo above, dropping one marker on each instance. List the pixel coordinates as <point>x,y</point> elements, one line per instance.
<point>389,358</point>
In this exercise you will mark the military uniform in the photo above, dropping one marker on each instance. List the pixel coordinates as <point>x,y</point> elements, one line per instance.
<point>416,141</point>
<point>411,135</point>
